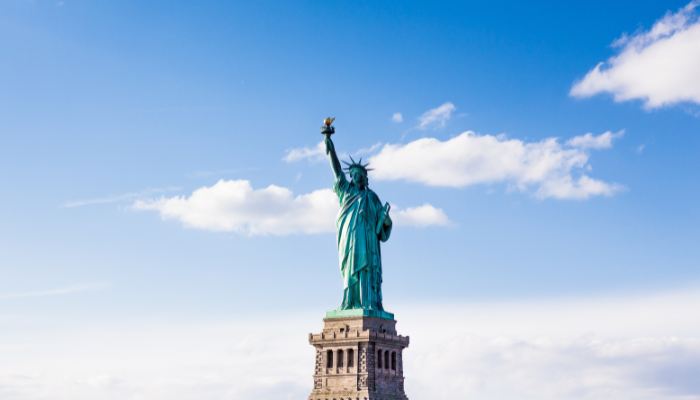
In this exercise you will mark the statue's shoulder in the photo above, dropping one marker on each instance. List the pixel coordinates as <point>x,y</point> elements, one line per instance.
<point>341,183</point>
<point>373,195</point>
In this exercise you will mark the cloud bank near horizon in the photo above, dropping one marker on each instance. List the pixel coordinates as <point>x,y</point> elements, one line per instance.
<point>234,206</point>
<point>659,66</point>
<point>621,348</point>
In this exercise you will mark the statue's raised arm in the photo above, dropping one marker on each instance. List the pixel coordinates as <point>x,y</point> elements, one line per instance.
<point>335,163</point>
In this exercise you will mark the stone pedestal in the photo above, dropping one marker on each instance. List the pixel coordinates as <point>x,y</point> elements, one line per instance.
<point>358,358</point>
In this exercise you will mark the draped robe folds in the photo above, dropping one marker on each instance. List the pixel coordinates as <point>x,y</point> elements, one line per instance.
<point>358,245</point>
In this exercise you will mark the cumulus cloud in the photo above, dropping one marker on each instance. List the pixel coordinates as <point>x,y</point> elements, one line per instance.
<point>314,154</point>
<point>234,206</point>
<point>470,159</point>
<point>397,117</point>
<point>437,117</point>
<point>659,66</point>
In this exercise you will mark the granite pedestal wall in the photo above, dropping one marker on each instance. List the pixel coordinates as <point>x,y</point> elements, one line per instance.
<point>358,358</point>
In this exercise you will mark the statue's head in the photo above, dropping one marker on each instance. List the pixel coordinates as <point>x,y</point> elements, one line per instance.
<point>358,172</point>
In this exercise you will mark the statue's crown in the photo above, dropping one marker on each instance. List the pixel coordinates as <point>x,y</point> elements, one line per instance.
<point>357,165</point>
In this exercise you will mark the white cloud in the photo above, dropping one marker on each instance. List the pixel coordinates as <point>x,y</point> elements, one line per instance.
<point>614,348</point>
<point>437,117</point>
<point>421,217</point>
<point>397,117</point>
<point>618,348</point>
<point>588,141</point>
<point>470,159</point>
<point>234,206</point>
<point>315,154</point>
<point>640,148</point>
<point>659,66</point>
<point>158,360</point>
<point>86,287</point>
<point>583,367</point>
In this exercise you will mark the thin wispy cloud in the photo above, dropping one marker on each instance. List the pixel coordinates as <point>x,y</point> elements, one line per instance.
<point>235,206</point>
<point>368,150</point>
<point>86,287</point>
<point>437,117</point>
<point>589,141</point>
<point>552,169</point>
<point>397,117</point>
<point>659,66</point>
<point>114,199</point>
<point>314,154</point>
<point>206,174</point>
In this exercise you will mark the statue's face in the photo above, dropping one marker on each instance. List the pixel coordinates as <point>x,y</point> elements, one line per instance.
<point>358,177</point>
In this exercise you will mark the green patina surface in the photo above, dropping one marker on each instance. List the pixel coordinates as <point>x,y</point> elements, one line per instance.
<point>361,225</point>
<point>359,312</point>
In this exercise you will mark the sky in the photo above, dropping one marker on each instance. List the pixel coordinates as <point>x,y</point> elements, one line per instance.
<point>167,223</point>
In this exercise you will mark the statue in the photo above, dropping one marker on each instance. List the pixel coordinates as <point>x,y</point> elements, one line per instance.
<point>359,353</point>
<point>361,224</point>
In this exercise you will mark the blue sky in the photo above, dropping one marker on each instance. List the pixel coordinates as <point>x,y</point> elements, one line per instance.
<point>139,142</point>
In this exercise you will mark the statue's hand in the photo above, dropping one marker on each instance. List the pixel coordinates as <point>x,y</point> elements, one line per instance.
<point>386,209</point>
<point>384,220</point>
<point>387,220</point>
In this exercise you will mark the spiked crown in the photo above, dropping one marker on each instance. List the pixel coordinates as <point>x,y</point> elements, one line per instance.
<point>356,165</point>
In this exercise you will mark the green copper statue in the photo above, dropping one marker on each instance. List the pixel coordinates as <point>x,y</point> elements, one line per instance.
<point>361,224</point>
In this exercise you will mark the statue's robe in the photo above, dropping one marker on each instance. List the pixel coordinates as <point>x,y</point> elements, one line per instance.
<point>358,245</point>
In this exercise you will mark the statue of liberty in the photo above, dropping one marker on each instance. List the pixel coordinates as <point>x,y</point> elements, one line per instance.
<point>361,224</point>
